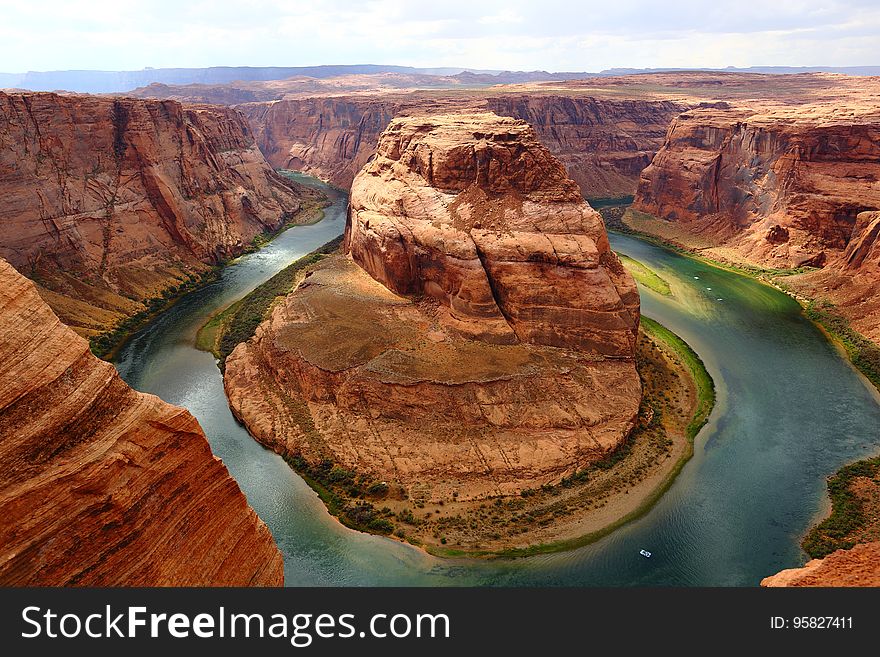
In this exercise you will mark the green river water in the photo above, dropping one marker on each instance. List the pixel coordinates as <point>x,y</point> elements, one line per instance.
<point>790,412</point>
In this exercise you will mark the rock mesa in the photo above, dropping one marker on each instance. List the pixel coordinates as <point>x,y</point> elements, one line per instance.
<point>477,340</point>
<point>472,211</point>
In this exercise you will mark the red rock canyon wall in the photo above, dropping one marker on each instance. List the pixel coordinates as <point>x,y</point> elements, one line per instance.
<point>110,201</point>
<point>102,485</point>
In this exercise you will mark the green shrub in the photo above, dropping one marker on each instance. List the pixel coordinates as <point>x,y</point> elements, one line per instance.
<point>847,514</point>
<point>250,312</point>
<point>406,515</point>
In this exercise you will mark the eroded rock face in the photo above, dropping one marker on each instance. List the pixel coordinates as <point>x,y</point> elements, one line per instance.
<point>604,143</point>
<point>330,138</point>
<point>781,187</point>
<point>851,280</point>
<point>605,130</point>
<point>110,201</point>
<point>473,211</point>
<point>104,486</point>
<point>478,340</point>
<point>854,567</point>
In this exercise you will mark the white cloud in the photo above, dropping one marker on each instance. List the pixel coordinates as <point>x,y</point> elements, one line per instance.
<point>502,34</point>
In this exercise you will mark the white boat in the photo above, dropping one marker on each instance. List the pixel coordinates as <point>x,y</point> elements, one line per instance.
<point>645,554</point>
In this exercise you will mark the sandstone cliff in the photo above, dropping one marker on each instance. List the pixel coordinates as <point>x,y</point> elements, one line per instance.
<point>604,143</point>
<point>330,138</point>
<point>478,340</point>
<point>605,130</point>
<point>855,567</point>
<point>109,202</point>
<point>781,188</point>
<point>851,279</point>
<point>102,485</point>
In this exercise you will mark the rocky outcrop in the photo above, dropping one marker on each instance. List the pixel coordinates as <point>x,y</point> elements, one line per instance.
<point>604,143</point>
<point>477,341</point>
<point>471,210</point>
<point>851,280</point>
<point>780,188</point>
<point>863,249</point>
<point>104,486</point>
<point>108,202</point>
<point>857,566</point>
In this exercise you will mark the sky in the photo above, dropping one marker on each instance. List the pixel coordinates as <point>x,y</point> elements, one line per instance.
<point>553,35</point>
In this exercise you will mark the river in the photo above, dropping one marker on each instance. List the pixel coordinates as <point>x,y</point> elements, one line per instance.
<point>790,412</point>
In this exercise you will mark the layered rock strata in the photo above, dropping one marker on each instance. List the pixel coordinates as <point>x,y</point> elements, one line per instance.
<point>108,202</point>
<point>478,340</point>
<point>783,188</point>
<point>851,279</point>
<point>604,143</point>
<point>604,129</point>
<point>330,138</point>
<point>780,188</point>
<point>102,485</point>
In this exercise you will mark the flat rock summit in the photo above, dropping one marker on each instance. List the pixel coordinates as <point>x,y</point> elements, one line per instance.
<point>477,338</point>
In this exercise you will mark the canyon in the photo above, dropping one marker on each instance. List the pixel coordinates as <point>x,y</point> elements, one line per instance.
<point>476,339</point>
<point>757,170</point>
<point>777,172</point>
<point>102,485</point>
<point>790,189</point>
<point>109,203</point>
<point>604,129</point>
<point>766,171</point>
<point>604,143</point>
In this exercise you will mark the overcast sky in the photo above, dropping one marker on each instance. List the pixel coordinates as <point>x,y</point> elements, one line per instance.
<point>555,35</point>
